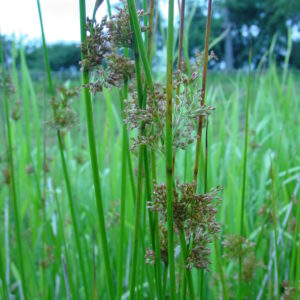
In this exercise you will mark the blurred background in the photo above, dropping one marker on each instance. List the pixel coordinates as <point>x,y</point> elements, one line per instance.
<point>271,27</point>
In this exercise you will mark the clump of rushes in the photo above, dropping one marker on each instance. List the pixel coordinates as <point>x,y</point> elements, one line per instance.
<point>193,213</point>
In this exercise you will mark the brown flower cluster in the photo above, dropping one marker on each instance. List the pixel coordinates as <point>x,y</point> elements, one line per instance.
<point>64,115</point>
<point>95,45</point>
<point>238,247</point>
<point>101,50</point>
<point>9,84</point>
<point>193,213</point>
<point>186,112</point>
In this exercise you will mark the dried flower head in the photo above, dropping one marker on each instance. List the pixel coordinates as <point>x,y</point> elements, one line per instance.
<point>119,28</point>
<point>289,291</point>
<point>95,45</point>
<point>9,84</point>
<point>16,111</point>
<point>64,115</point>
<point>6,175</point>
<point>237,247</point>
<point>101,50</point>
<point>186,111</point>
<point>192,212</point>
<point>250,264</point>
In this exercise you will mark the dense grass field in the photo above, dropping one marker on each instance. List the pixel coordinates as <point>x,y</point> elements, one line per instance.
<point>70,226</point>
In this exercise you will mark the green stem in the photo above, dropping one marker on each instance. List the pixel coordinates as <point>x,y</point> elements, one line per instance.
<point>274,223</point>
<point>137,223</point>
<point>12,178</point>
<point>139,41</point>
<point>73,215</point>
<point>220,267</point>
<point>169,150</point>
<point>188,272</point>
<point>244,175</point>
<point>294,262</point>
<point>123,189</point>
<point>200,124</point>
<point>94,162</point>
<point>64,165</point>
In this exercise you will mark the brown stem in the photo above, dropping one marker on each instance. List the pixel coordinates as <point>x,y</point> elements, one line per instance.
<point>179,61</point>
<point>200,124</point>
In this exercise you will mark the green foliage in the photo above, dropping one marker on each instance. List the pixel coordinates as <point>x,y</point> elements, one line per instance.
<point>61,56</point>
<point>270,17</point>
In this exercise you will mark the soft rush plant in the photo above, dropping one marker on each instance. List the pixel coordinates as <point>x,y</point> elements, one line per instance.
<point>155,169</point>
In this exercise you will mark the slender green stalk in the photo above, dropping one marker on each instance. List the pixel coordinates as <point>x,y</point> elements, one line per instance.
<point>153,217</point>
<point>244,175</point>
<point>220,267</point>
<point>205,191</point>
<point>94,162</point>
<point>142,149</point>
<point>73,215</point>
<point>188,273</point>
<point>12,179</point>
<point>200,123</point>
<point>274,223</point>
<point>108,8</point>
<point>65,248</point>
<point>64,165</point>
<point>140,42</point>
<point>294,262</point>
<point>123,189</point>
<point>136,224</point>
<point>169,150</point>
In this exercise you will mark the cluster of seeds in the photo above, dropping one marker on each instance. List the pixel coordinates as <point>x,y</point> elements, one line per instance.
<point>186,112</point>
<point>64,115</point>
<point>237,247</point>
<point>101,50</point>
<point>193,213</point>
<point>8,83</point>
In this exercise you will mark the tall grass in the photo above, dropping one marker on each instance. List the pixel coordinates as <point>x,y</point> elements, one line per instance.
<point>58,197</point>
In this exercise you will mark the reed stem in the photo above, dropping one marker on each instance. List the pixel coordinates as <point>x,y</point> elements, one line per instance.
<point>169,150</point>
<point>244,175</point>
<point>94,161</point>
<point>204,75</point>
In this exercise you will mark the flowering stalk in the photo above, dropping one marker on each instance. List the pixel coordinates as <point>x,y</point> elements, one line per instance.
<point>93,156</point>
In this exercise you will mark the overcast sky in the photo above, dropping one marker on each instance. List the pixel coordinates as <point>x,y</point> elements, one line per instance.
<point>60,17</point>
